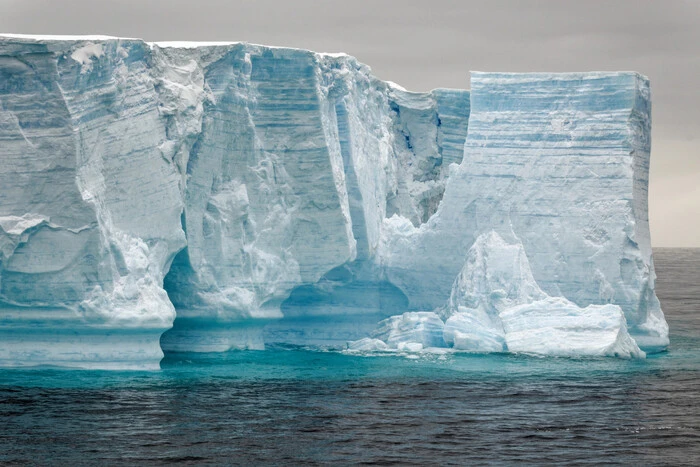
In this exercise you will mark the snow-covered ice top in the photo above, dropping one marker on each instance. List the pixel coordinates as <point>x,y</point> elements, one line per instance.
<point>271,194</point>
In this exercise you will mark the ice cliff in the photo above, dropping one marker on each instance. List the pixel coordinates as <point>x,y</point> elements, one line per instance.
<point>204,197</point>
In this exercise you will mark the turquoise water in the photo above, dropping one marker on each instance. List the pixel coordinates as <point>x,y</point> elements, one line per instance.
<point>297,406</point>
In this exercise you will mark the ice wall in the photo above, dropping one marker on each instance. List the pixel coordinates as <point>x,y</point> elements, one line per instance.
<point>265,194</point>
<point>89,206</point>
<point>296,160</point>
<point>242,172</point>
<point>558,162</point>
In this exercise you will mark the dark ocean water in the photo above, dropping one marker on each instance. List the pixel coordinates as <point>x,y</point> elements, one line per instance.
<point>298,407</point>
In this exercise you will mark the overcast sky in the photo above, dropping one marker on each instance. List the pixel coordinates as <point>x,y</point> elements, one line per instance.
<point>434,43</point>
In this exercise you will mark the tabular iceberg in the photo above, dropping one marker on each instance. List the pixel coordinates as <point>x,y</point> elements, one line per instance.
<point>229,195</point>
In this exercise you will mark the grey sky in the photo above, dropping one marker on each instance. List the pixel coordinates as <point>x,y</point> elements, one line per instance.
<point>434,43</point>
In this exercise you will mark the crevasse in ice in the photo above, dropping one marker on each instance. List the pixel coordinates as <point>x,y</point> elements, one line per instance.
<point>230,195</point>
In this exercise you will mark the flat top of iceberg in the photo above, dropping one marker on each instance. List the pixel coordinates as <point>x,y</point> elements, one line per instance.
<point>483,77</point>
<point>192,44</point>
<point>162,44</point>
<point>195,44</point>
<point>50,37</point>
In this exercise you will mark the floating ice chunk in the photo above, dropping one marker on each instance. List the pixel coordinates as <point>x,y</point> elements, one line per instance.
<point>555,326</point>
<point>421,327</point>
<point>497,306</point>
<point>367,344</point>
<point>495,276</point>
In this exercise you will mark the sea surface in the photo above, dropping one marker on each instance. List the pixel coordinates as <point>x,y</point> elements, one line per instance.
<point>300,407</point>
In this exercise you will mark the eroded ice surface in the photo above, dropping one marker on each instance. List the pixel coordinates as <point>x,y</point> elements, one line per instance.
<point>418,329</point>
<point>496,306</point>
<point>559,162</point>
<point>264,194</point>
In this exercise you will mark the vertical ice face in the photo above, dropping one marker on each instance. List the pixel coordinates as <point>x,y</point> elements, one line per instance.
<point>453,106</point>
<point>560,163</point>
<point>280,195</point>
<point>90,208</point>
<point>123,175</point>
<point>265,203</point>
<point>391,143</point>
<point>296,162</point>
<point>429,133</point>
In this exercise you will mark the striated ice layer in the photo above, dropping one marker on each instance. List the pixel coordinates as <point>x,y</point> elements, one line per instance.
<point>556,327</point>
<point>90,208</point>
<point>235,195</point>
<point>560,162</point>
<point>295,161</point>
<point>212,179</point>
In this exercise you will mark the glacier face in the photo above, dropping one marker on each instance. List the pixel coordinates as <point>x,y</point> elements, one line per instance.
<point>275,195</point>
<point>558,162</point>
<point>90,207</point>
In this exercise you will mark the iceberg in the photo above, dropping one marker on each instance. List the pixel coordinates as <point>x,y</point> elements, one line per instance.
<point>214,196</point>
